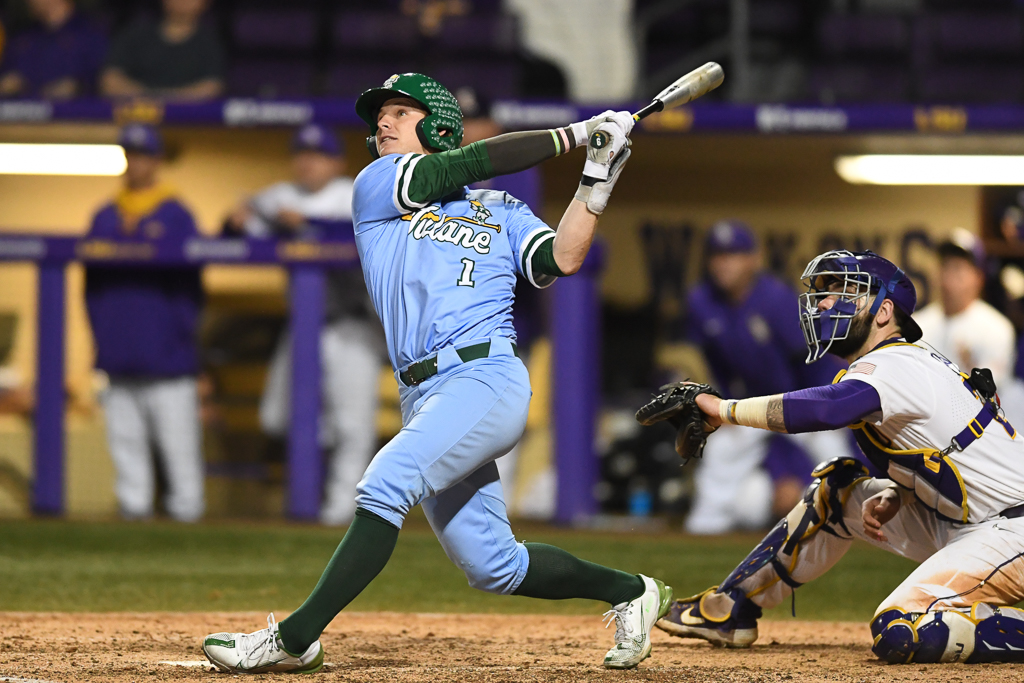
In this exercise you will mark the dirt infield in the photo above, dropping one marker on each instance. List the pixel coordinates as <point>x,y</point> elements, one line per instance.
<point>47,647</point>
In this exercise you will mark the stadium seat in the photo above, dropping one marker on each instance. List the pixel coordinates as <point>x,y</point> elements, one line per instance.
<point>346,79</point>
<point>845,35</point>
<point>492,81</point>
<point>968,83</point>
<point>271,78</point>
<point>292,29</point>
<point>967,34</point>
<point>844,83</point>
<point>494,33</point>
<point>775,17</point>
<point>373,31</point>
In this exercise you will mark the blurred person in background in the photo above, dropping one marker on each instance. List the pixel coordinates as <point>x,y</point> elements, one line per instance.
<point>960,326</point>
<point>967,330</point>
<point>746,323</point>
<point>58,57</point>
<point>145,322</point>
<point>318,203</point>
<point>177,56</point>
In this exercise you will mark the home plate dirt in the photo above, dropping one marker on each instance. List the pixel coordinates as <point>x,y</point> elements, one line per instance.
<point>381,646</point>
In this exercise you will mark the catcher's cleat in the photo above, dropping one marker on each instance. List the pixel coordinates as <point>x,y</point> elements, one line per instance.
<point>260,652</point>
<point>724,619</point>
<point>633,623</point>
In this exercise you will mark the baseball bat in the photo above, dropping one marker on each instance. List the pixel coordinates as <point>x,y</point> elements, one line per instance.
<point>697,83</point>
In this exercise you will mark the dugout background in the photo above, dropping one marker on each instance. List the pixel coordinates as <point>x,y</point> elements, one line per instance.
<point>675,187</point>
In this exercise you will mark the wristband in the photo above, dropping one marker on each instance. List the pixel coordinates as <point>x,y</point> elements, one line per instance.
<point>727,412</point>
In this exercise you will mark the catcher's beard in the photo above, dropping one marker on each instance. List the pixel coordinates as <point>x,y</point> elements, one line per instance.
<point>860,328</point>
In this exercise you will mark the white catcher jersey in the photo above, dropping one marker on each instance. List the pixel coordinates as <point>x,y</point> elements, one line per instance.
<point>925,403</point>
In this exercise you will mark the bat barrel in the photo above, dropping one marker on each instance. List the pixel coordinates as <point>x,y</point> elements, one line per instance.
<point>697,83</point>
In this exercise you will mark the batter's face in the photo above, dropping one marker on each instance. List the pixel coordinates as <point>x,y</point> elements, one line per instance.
<point>396,127</point>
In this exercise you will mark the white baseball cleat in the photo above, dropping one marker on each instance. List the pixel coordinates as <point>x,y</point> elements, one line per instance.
<point>260,652</point>
<point>633,623</point>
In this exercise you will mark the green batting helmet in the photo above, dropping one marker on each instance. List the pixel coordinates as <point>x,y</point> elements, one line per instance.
<point>439,131</point>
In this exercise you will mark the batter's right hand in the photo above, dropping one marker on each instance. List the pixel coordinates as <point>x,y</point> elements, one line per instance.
<point>878,510</point>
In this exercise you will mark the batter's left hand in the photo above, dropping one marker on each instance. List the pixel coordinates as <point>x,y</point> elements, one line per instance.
<point>878,510</point>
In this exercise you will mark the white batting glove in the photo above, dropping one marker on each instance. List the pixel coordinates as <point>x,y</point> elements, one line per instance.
<point>584,129</point>
<point>607,153</point>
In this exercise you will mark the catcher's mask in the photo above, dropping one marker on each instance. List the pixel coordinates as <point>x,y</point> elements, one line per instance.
<point>850,277</point>
<point>441,130</point>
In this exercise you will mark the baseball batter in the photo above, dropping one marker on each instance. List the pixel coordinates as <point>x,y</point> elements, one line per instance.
<point>954,499</point>
<point>440,263</point>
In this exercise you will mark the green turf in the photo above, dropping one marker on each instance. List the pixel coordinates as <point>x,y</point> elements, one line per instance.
<point>78,566</point>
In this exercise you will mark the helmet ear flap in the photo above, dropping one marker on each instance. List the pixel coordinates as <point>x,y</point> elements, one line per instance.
<point>371,145</point>
<point>421,133</point>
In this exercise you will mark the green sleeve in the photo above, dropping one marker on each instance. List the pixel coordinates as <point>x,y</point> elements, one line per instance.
<point>425,178</point>
<point>543,262</point>
<point>428,177</point>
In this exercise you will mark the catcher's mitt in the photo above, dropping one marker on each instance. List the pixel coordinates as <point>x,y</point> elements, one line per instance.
<point>677,403</point>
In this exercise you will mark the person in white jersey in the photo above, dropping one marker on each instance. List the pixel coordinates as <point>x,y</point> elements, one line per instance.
<point>953,498</point>
<point>318,204</point>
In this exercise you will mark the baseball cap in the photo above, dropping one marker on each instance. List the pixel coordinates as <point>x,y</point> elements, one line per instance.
<point>142,138</point>
<point>730,237</point>
<point>962,243</point>
<point>316,138</point>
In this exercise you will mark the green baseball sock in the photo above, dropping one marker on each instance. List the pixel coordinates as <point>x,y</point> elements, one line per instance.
<point>555,574</point>
<point>363,552</point>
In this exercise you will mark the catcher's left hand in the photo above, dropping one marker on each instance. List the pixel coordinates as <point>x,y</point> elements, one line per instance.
<point>677,403</point>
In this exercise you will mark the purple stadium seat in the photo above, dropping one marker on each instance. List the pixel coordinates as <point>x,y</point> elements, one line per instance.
<point>491,81</point>
<point>970,34</point>
<point>281,29</point>
<point>775,17</point>
<point>495,33</point>
<point>272,78</point>
<point>968,83</point>
<point>366,31</point>
<point>860,83</point>
<point>345,79</point>
<point>852,34</point>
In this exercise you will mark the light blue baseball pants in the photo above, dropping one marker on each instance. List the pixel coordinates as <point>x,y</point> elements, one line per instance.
<point>455,425</point>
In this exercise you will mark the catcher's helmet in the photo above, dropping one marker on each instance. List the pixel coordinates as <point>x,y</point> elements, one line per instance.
<point>439,131</point>
<point>858,274</point>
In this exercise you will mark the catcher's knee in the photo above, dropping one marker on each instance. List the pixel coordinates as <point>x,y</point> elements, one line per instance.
<point>932,637</point>
<point>820,507</point>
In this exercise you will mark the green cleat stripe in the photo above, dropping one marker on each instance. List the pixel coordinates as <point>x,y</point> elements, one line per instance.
<point>218,642</point>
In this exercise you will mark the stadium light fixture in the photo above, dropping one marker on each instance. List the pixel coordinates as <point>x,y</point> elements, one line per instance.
<point>931,169</point>
<point>52,159</point>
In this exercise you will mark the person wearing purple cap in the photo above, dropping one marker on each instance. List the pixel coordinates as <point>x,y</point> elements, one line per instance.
<point>318,203</point>
<point>745,322</point>
<point>145,324</point>
<point>952,497</point>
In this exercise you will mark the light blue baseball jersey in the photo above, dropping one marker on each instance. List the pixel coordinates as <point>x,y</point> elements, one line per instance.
<point>441,273</point>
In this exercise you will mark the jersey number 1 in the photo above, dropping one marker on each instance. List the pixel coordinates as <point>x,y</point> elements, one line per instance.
<point>466,279</point>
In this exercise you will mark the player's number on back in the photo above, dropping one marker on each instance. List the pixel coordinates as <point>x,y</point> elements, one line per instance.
<point>466,279</point>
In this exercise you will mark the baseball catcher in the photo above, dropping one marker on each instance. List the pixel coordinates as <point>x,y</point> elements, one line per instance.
<point>953,499</point>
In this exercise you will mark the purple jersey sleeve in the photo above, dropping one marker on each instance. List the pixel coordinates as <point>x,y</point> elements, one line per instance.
<point>834,406</point>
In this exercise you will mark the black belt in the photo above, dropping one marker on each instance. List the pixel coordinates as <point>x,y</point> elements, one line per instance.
<point>427,368</point>
<point>1014,512</point>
